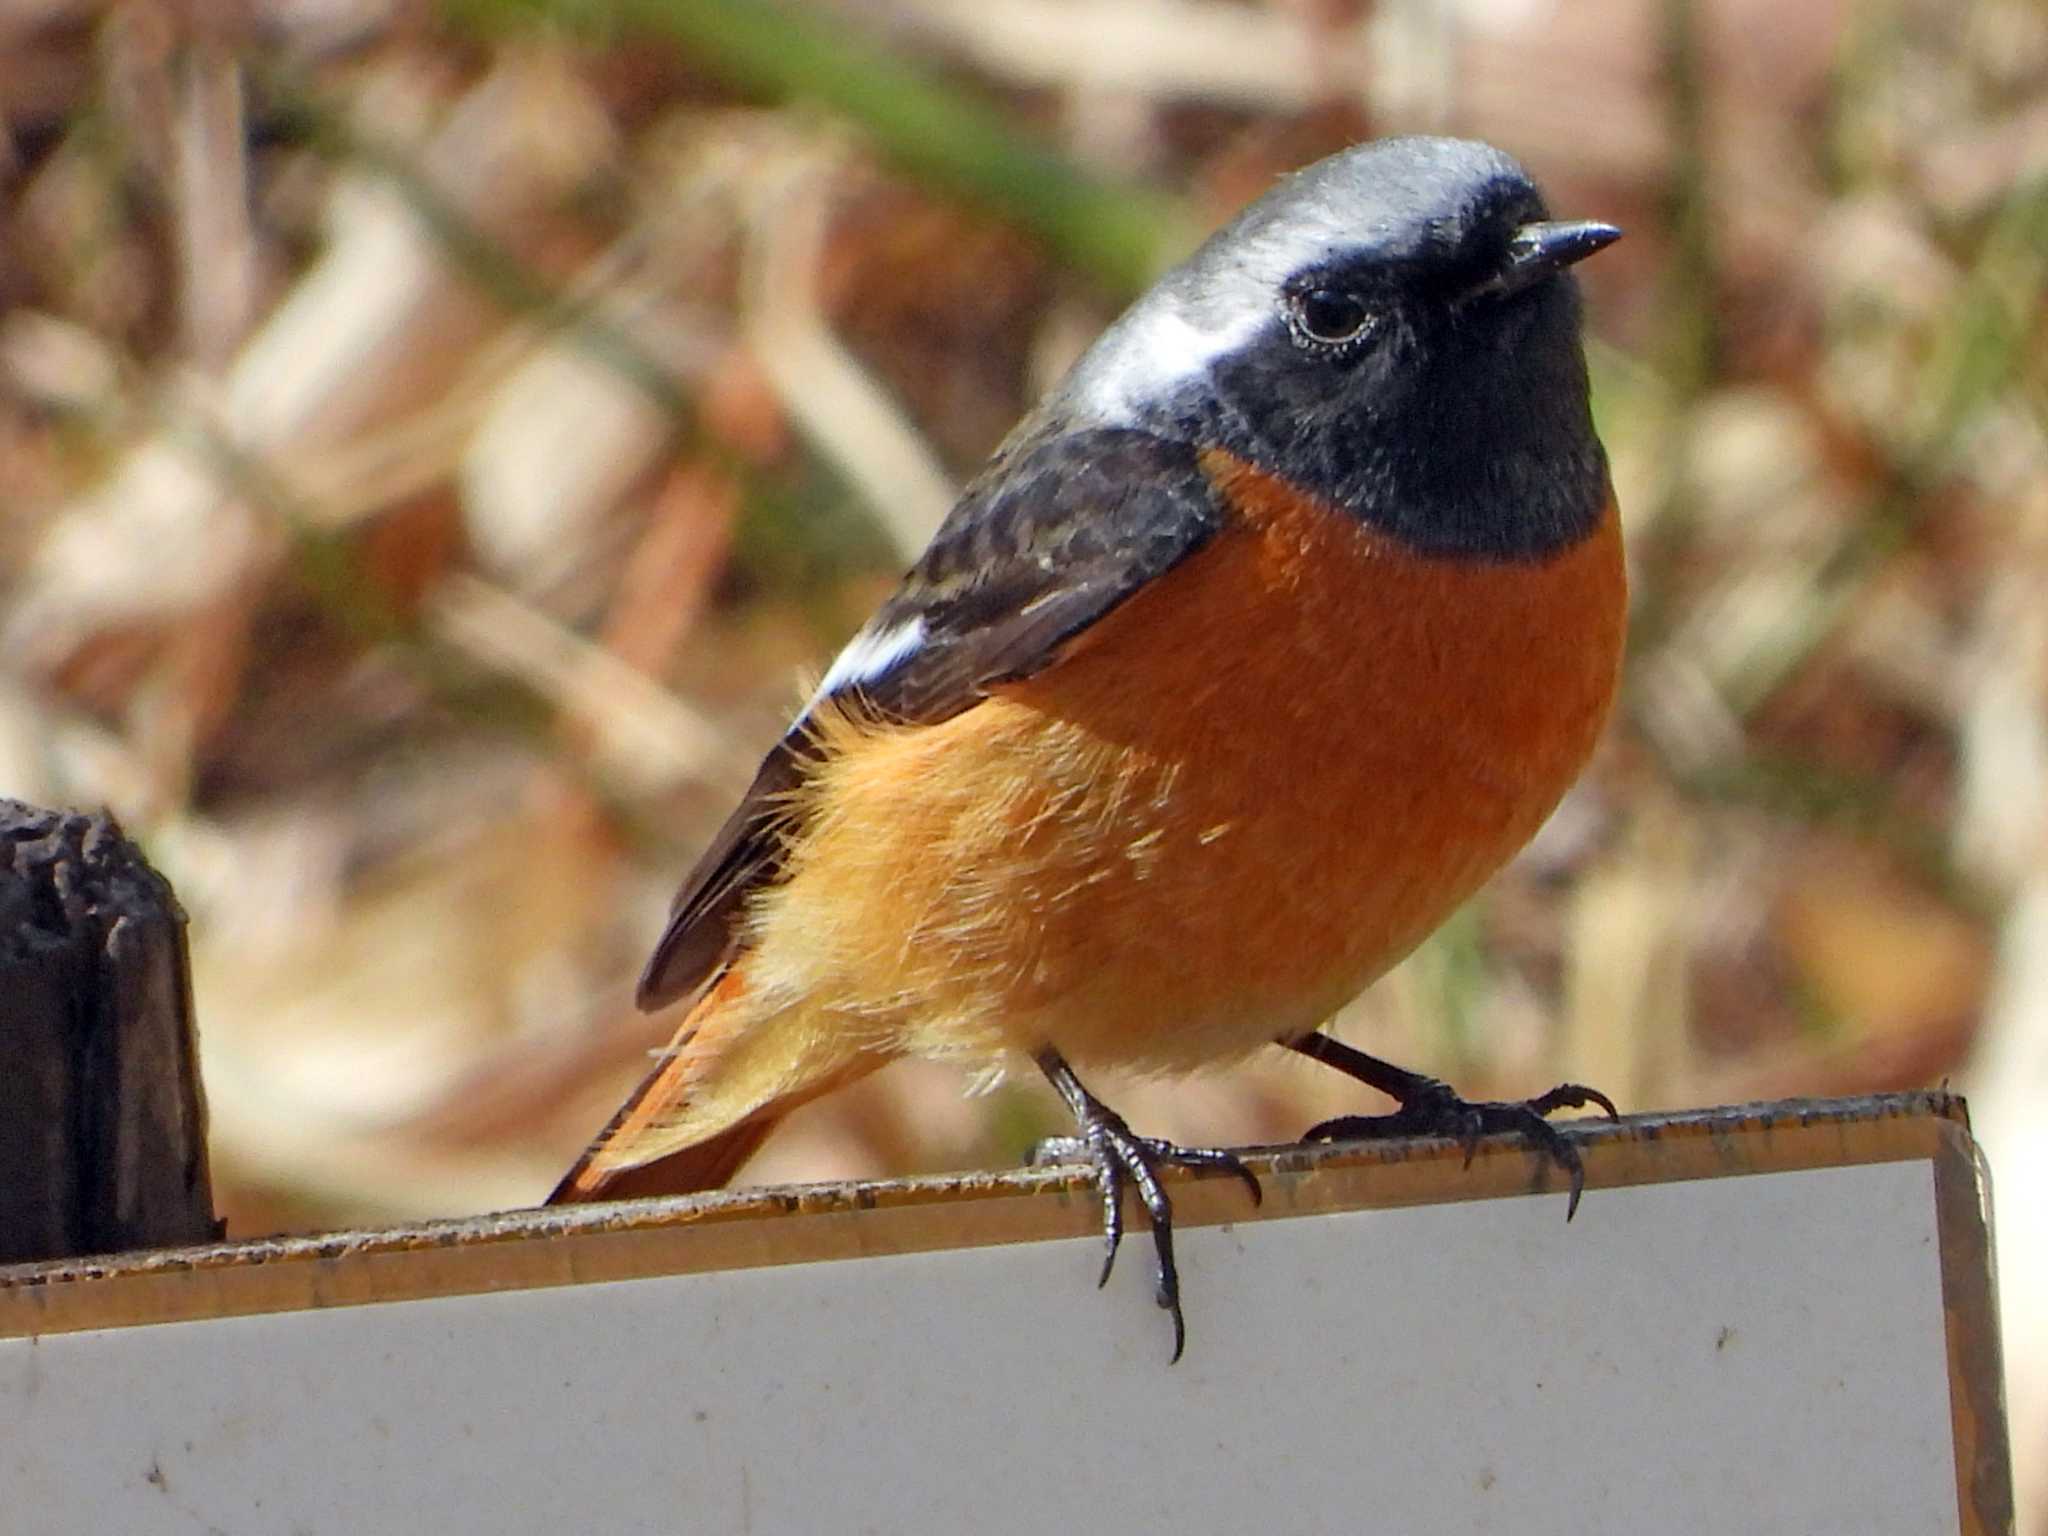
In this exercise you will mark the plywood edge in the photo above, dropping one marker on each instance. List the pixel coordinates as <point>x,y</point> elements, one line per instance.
<point>748,1228</point>
<point>1976,1370</point>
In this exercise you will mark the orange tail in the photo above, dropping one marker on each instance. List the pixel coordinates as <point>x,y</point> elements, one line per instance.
<point>737,1065</point>
<point>708,1165</point>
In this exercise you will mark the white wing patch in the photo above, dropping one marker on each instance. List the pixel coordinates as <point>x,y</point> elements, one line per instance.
<point>871,656</point>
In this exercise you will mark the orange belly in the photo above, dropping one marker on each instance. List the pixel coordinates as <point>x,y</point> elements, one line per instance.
<point>1239,798</point>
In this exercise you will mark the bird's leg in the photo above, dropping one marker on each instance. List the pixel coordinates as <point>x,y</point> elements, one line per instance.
<point>1429,1107</point>
<point>1120,1156</point>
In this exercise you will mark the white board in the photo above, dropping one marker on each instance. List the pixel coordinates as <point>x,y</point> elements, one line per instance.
<point>1760,1350</point>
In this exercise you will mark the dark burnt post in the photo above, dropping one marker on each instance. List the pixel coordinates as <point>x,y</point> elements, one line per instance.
<point>102,1123</point>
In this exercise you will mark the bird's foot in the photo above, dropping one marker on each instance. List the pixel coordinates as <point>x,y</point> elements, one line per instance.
<point>1430,1107</point>
<point>1121,1157</point>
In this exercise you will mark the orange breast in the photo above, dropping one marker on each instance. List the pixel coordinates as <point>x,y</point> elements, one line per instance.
<point>1241,796</point>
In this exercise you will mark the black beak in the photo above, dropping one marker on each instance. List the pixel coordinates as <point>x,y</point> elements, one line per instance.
<point>1536,251</point>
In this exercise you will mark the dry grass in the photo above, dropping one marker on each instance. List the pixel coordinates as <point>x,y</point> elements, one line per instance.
<point>434,443</point>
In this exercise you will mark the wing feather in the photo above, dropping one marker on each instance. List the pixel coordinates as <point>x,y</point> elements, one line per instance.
<point>1058,531</point>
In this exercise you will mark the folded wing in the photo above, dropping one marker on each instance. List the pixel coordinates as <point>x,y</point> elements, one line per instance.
<point>1058,531</point>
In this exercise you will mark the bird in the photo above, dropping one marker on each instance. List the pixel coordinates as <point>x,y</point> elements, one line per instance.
<point>1283,620</point>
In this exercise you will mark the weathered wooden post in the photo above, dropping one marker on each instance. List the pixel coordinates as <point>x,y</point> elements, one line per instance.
<point>102,1122</point>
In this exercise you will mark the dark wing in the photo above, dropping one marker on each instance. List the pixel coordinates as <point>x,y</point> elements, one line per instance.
<point>745,854</point>
<point>1055,533</point>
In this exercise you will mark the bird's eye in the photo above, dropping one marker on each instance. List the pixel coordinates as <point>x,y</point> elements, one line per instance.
<point>1330,315</point>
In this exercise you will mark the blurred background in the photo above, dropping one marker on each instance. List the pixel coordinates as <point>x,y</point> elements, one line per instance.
<point>438,441</point>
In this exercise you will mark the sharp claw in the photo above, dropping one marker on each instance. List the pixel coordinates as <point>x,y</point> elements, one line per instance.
<point>1213,1157</point>
<point>1578,1177</point>
<point>1250,1180</point>
<point>1566,1156</point>
<point>1119,1157</point>
<point>1166,1279</point>
<point>1435,1110</point>
<point>1574,1096</point>
<point>1112,1220</point>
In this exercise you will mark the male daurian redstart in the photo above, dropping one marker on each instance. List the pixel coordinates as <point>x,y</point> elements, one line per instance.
<point>1277,627</point>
